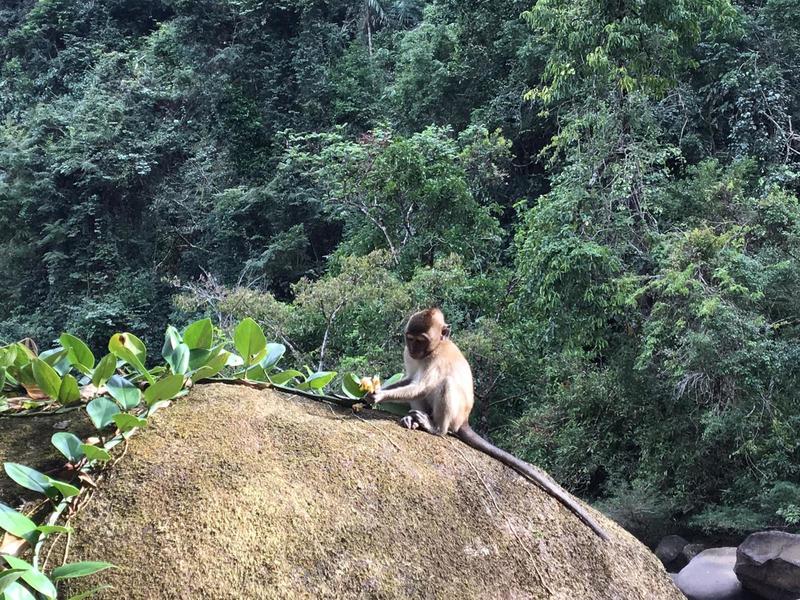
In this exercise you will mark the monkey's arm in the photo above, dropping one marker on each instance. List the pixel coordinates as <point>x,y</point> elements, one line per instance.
<point>405,394</point>
<point>403,382</point>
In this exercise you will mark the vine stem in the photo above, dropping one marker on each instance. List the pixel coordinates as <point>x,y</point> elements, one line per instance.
<point>265,385</point>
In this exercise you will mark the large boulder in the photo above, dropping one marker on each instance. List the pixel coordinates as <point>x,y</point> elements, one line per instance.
<point>768,563</point>
<point>237,493</point>
<point>710,576</point>
<point>670,552</point>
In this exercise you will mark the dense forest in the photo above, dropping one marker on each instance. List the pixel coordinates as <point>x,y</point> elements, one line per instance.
<point>601,195</point>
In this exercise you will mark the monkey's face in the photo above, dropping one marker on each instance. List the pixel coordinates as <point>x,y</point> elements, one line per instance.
<point>420,344</point>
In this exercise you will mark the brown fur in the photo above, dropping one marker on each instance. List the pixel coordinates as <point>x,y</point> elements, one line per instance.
<point>439,390</point>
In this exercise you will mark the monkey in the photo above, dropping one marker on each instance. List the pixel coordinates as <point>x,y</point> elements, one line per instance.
<point>437,386</point>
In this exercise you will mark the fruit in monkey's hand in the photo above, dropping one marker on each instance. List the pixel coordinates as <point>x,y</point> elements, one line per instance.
<point>369,385</point>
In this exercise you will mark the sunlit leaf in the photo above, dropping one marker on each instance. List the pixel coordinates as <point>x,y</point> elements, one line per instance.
<point>78,353</point>
<point>199,334</point>
<point>104,369</point>
<point>131,349</point>
<point>284,377</point>
<point>101,411</point>
<point>350,386</point>
<point>124,392</point>
<point>69,391</point>
<point>65,489</point>
<point>320,379</point>
<point>214,366</point>
<point>249,340</point>
<point>274,354</point>
<point>50,529</point>
<point>126,422</point>
<point>33,577</point>
<point>164,389</point>
<point>9,576</point>
<point>79,569</point>
<point>16,591</point>
<point>17,524</point>
<point>95,453</point>
<point>46,378</point>
<point>68,444</point>
<point>28,478</point>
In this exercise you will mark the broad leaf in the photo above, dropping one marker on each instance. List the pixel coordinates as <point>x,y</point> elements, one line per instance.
<point>131,349</point>
<point>284,377</point>
<point>9,576</point>
<point>69,391</point>
<point>68,444</point>
<point>320,379</point>
<point>393,379</point>
<point>126,422</point>
<point>164,389</point>
<point>46,378</point>
<point>95,453</point>
<point>199,334</point>
<point>351,387</point>
<point>33,577</point>
<point>105,369</point>
<point>28,478</point>
<point>249,340</point>
<point>79,569</point>
<point>178,361</point>
<point>78,353</point>
<point>214,366</point>
<point>101,411</point>
<point>16,591</point>
<point>65,489</point>
<point>274,354</point>
<point>57,358</point>
<point>17,524</point>
<point>124,392</point>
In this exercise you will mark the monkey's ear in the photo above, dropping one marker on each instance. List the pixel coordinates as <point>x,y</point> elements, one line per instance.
<point>446,330</point>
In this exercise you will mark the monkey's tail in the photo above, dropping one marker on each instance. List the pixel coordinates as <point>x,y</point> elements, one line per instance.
<point>467,435</point>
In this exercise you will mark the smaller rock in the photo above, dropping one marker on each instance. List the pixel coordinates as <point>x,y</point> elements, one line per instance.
<point>768,563</point>
<point>669,551</point>
<point>691,550</point>
<point>710,576</point>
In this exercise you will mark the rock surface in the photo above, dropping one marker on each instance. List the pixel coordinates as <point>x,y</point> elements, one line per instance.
<point>235,493</point>
<point>710,576</point>
<point>768,563</point>
<point>670,552</point>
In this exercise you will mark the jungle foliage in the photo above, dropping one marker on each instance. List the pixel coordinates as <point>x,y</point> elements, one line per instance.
<point>601,196</point>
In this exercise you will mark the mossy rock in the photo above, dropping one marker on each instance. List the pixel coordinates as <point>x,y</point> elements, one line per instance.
<point>238,493</point>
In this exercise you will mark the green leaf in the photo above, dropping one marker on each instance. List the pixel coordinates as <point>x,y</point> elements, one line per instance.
<point>131,349</point>
<point>50,529</point>
<point>28,478</point>
<point>249,340</point>
<point>69,392</point>
<point>68,444</point>
<point>164,389</point>
<point>17,524</point>
<point>79,569</point>
<point>199,334</point>
<point>178,361</point>
<point>15,591</point>
<point>124,392</point>
<point>350,386</point>
<point>393,379</point>
<point>57,358</point>
<point>78,353</point>
<point>320,379</point>
<point>214,366</point>
<point>105,369</point>
<point>172,339</point>
<point>101,411</point>
<point>95,453</point>
<point>274,354</point>
<point>65,489</point>
<point>126,422</point>
<point>255,373</point>
<point>46,378</point>
<point>9,576</point>
<point>33,577</point>
<point>284,377</point>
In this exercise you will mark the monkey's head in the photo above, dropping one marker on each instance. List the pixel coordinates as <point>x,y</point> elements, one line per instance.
<point>425,331</point>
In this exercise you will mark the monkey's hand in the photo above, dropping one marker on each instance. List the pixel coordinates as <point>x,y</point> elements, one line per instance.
<point>375,397</point>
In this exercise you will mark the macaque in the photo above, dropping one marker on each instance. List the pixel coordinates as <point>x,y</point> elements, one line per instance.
<point>438,388</point>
